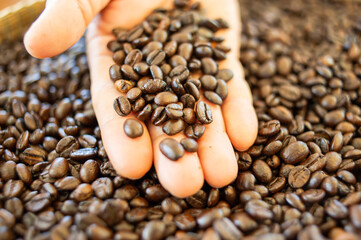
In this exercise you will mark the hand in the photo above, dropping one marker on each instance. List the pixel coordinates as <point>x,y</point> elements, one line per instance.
<point>62,24</point>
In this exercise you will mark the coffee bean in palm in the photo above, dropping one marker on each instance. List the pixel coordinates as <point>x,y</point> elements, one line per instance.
<point>133,57</point>
<point>204,112</point>
<point>209,66</point>
<point>133,94</point>
<point>123,86</point>
<point>122,106</point>
<point>188,101</point>
<point>171,149</point>
<point>174,111</point>
<point>114,72</point>
<point>128,72</point>
<point>118,57</point>
<point>174,126</point>
<point>151,85</point>
<point>133,128</point>
<point>195,131</point>
<point>221,89</point>
<point>225,74</point>
<point>156,57</point>
<point>213,97</point>
<point>159,116</point>
<point>209,82</point>
<point>141,68</point>
<point>165,98</point>
<point>145,113</point>
<point>189,116</point>
<point>189,144</point>
<point>192,89</point>
<point>180,71</point>
<point>203,49</point>
<point>177,86</point>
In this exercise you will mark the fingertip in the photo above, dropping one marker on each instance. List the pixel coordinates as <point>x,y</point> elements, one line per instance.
<point>131,158</point>
<point>241,122</point>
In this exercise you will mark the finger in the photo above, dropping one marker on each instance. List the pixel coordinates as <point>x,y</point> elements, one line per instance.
<point>216,152</point>
<point>182,178</point>
<point>131,158</point>
<point>61,25</point>
<point>239,115</point>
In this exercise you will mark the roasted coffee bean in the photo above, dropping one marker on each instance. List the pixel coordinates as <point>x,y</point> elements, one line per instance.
<point>118,57</point>
<point>123,86</point>
<point>66,145</point>
<point>83,154</point>
<point>262,171</point>
<point>313,195</point>
<point>128,72</point>
<point>189,115</point>
<point>156,57</point>
<point>295,152</point>
<point>181,72</point>
<point>165,98</point>
<point>276,185</point>
<point>245,181</point>
<point>89,171</point>
<point>224,74</point>
<point>226,229</point>
<point>133,94</point>
<point>141,68</point>
<point>159,116</point>
<point>209,66</point>
<point>172,127</point>
<point>177,86</point>
<point>188,101</point>
<point>133,57</point>
<point>177,60</point>
<point>33,155</point>
<point>170,48</point>
<point>213,97</point>
<point>151,85</point>
<point>138,104</point>
<point>115,72</point>
<point>58,168</point>
<point>189,144</point>
<point>122,106</point>
<point>174,111</point>
<point>145,113</point>
<point>156,72</point>
<point>133,128</point>
<point>171,149</point>
<point>204,112</point>
<point>298,176</point>
<point>195,131</point>
<point>67,183</point>
<point>258,209</point>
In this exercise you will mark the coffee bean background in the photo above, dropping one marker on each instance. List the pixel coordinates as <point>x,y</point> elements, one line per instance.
<point>300,180</point>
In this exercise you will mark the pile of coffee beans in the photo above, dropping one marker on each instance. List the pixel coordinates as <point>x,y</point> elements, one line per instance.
<point>161,67</point>
<point>300,180</point>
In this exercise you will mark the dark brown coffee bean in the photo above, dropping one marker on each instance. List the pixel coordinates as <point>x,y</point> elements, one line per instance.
<point>213,97</point>
<point>160,35</point>
<point>170,48</point>
<point>7,170</point>
<point>58,168</point>
<point>189,144</point>
<point>103,187</point>
<point>226,229</point>
<point>38,202</point>
<point>141,68</point>
<point>156,57</point>
<point>294,200</point>
<point>159,116</point>
<point>122,106</point>
<point>123,86</point>
<point>172,127</point>
<point>258,209</point>
<point>118,57</point>
<point>174,111</point>
<point>128,72</point>
<point>204,112</point>
<point>189,116</point>
<point>115,72</point>
<point>133,128</point>
<point>151,85</point>
<point>83,154</point>
<point>89,171</point>
<point>23,173</point>
<point>133,57</point>
<point>245,181</point>
<point>188,101</point>
<point>33,155</point>
<point>299,176</point>
<point>67,183</point>
<point>225,74</point>
<point>333,161</point>
<point>270,128</point>
<point>195,131</point>
<point>262,171</point>
<point>209,66</point>
<point>336,209</point>
<point>313,195</point>
<point>346,176</point>
<point>154,230</point>
<point>181,72</point>
<point>276,185</point>
<point>185,221</point>
<point>329,184</point>
<point>221,89</point>
<point>244,222</point>
<point>295,152</point>
<point>171,149</point>
<point>138,104</point>
<point>133,94</point>
<point>177,60</point>
<point>165,98</point>
<point>355,213</point>
<point>145,113</point>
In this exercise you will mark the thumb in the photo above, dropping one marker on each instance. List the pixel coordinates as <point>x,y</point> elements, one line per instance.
<point>60,26</point>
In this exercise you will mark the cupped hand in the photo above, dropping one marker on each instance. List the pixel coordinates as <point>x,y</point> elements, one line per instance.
<point>234,123</point>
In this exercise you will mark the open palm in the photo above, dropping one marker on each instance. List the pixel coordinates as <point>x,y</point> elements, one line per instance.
<point>63,22</point>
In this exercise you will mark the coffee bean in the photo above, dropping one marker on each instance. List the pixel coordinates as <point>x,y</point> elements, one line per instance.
<point>213,97</point>
<point>209,66</point>
<point>123,86</point>
<point>313,195</point>
<point>89,171</point>
<point>226,229</point>
<point>115,72</point>
<point>262,171</point>
<point>172,127</point>
<point>298,176</point>
<point>221,89</point>
<point>195,131</point>
<point>67,183</point>
<point>329,184</point>
<point>38,202</point>
<point>181,72</point>
<point>33,155</point>
<point>185,221</point>
<point>23,173</point>
<point>58,168</point>
<point>145,113</point>
<point>189,115</point>
<point>204,112</point>
<point>224,74</point>
<point>122,106</point>
<point>103,187</point>
<point>333,161</point>
<point>170,48</point>
<point>276,185</point>
<point>171,149</point>
<point>154,230</point>
<point>133,128</point>
<point>165,98</point>
<point>245,181</point>
<point>118,57</point>
<point>159,116</point>
<point>156,57</point>
<point>258,209</point>
<point>133,57</point>
<point>151,85</point>
<point>295,152</point>
<point>174,111</point>
<point>189,144</point>
<point>83,154</point>
<point>335,209</point>
<point>141,68</point>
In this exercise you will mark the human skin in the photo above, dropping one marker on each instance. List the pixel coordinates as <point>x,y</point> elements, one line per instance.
<point>234,123</point>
